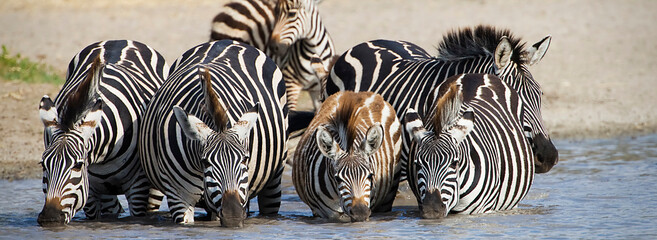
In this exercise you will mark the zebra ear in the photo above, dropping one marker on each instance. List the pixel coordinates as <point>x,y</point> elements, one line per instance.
<point>463,127</point>
<point>92,119</point>
<point>47,112</point>
<point>503,53</point>
<point>414,125</point>
<point>193,127</point>
<point>373,140</point>
<point>246,122</point>
<point>535,53</point>
<point>329,147</point>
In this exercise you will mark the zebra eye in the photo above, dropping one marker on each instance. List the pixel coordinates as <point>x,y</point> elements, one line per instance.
<point>454,163</point>
<point>78,165</point>
<point>291,14</point>
<point>371,176</point>
<point>245,160</point>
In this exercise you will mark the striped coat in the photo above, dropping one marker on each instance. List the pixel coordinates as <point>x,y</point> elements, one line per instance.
<point>469,152</point>
<point>347,162</point>
<point>91,131</point>
<point>291,32</point>
<point>406,75</point>
<point>217,130</point>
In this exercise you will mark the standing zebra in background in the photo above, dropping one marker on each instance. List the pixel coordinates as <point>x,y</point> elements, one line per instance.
<point>342,180</point>
<point>406,75</point>
<point>289,31</point>
<point>469,155</point>
<point>217,129</point>
<point>90,131</point>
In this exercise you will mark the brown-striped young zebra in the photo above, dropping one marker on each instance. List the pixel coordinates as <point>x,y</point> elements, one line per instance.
<point>469,153</point>
<point>91,131</point>
<point>406,75</point>
<point>347,163</point>
<point>217,130</point>
<point>291,32</point>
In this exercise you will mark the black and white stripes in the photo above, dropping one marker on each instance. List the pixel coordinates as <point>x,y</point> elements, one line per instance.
<point>469,153</point>
<point>347,163</point>
<point>217,129</point>
<point>291,32</point>
<point>406,75</point>
<point>91,131</point>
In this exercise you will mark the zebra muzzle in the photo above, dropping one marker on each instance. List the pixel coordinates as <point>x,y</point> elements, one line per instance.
<point>51,215</point>
<point>546,154</point>
<point>432,206</point>
<point>359,211</point>
<point>232,213</point>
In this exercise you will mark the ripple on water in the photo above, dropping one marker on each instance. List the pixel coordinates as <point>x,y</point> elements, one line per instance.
<point>599,189</point>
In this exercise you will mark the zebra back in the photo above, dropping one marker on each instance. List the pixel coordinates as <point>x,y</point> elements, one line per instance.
<point>405,75</point>
<point>339,170</point>
<point>469,153</point>
<point>240,77</point>
<point>113,80</point>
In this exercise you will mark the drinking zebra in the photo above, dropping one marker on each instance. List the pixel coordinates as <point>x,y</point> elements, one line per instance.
<point>90,131</point>
<point>347,178</point>
<point>290,31</point>
<point>469,154</point>
<point>406,75</point>
<point>217,130</point>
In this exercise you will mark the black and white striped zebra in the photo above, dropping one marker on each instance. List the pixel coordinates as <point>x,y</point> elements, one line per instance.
<point>406,75</point>
<point>348,178</point>
<point>469,153</point>
<point>217,129</point>
<point>91,131</point>
<point>291,32</point>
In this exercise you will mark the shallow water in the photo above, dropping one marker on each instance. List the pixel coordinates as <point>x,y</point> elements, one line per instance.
<point>600,189</point>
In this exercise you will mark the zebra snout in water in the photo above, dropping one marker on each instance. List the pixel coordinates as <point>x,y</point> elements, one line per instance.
<point>359,211</point>
<point>51,214</point>
<point>546,154</point>
<point>433,206</point>
<point>232,214</point>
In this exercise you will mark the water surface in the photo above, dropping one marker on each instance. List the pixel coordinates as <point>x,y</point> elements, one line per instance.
<point>600,189</point>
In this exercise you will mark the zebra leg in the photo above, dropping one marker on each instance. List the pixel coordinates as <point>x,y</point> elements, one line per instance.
<point>138,196</point>
<point>155,198</point>
<point>93,206</point>
<point>292,89</point>
<point>181,210</point>
<point>269,199</point>
<point>110,204</point>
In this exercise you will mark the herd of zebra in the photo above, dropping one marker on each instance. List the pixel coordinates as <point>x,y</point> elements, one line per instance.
<point>464,128</point>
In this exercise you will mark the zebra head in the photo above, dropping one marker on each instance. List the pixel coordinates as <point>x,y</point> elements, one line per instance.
<point>294,22</point>
<point>515,72</point>
<point>68,136</point>
<point>224,154</point>
<point>435,156</point>
<point>506,57</point>
<point>353,172</point>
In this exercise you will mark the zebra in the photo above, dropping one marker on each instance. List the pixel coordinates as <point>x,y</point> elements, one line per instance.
<point>347,179</point>
<point>405,75</point>
<point>217,130</point>
<point>469,154</point>
<point>91,129</point>
<point>291,32</point>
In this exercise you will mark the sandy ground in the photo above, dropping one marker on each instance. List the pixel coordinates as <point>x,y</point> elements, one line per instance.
<point>598,75</point>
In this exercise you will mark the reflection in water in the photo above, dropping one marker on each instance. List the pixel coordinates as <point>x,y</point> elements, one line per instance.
<point>599,189</point>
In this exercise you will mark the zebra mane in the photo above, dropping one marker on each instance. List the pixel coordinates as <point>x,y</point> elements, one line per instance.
<point>346,116</point>
<point>79,101</point>
<point>478,41</point>
<point>448,107</point>
<point>212,105</point>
